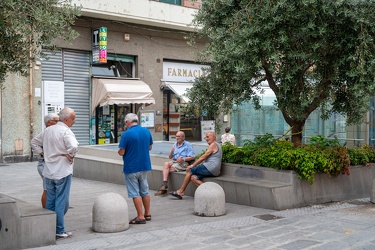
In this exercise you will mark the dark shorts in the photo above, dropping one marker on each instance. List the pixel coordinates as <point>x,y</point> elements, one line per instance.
<point>200,172</point>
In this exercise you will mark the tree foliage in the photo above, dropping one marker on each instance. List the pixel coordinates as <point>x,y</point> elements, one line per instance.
<point>312,53</point>
<point>26,26</point>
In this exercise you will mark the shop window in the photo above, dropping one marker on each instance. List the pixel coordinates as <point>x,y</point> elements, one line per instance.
<point>176,2</point>
<point>116,66</point>
<point>113,68</point>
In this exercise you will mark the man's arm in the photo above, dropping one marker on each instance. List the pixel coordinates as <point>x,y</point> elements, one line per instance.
<point>37,144</point>
<point>71,143</point>
<point>121,152</point>
<point>212,148</point>
<point>171,153</point>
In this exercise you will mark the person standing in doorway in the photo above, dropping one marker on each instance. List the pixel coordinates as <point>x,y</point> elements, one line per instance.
<point>59,147</point>
<point>134,147</point>
<point>49,120</point>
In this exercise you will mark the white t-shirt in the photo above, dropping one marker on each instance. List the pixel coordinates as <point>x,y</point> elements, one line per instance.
<point>227,137</point>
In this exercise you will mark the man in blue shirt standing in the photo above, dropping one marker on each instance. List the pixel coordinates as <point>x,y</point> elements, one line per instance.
<point>182,154</point>
<point>134,147</point>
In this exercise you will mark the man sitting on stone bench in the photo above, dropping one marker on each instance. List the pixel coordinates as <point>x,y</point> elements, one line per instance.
<point>182,154</point>
<point>208,165</point>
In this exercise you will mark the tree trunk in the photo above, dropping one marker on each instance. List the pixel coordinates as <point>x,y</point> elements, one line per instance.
<point>297,128</point>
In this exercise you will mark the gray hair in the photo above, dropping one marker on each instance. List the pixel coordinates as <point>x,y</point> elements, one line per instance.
<point>49,117</point>
<point>65,113</point>
<point>131,117</point>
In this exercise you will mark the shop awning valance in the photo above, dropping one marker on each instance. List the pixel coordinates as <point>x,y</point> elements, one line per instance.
<point>180,88</point>
<point>108,91</point>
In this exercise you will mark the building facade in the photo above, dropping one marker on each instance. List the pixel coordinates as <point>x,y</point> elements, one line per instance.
<point>147,69</point>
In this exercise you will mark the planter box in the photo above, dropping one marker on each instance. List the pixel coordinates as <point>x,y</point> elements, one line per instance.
<point>246,185</point>
<point>297,192</point>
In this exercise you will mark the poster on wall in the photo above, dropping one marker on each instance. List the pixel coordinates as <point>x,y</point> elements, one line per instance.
<point>207,126</point>
<point>147,119</point>
<point>53,97</point>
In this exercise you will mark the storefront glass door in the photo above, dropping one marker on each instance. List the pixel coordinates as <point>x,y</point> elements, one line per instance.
<point>176,118</point>
<point>110,123</point>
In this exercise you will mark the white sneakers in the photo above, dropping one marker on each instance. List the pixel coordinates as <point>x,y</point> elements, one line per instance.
<point>64,235</point>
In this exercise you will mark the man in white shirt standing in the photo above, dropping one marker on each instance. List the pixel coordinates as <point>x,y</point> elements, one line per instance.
<point>59,145</point>
<point>49,120</point>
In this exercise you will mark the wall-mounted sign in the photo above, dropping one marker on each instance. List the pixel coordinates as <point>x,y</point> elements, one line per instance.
<point>53,97</point>
<point>99,45</point>
<point>182,72</point>
<point>207,126</point>
<point>147,119</point>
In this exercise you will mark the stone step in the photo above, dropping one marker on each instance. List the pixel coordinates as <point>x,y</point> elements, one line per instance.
<point>241,184</point>
<point>25,225</point>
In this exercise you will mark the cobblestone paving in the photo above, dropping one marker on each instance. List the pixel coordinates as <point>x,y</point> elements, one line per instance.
<point>337,225</point>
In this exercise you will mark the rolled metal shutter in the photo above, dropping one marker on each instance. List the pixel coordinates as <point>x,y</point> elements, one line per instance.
<point>52,67</point>
<point>72,67</point>
<point>77,91</point>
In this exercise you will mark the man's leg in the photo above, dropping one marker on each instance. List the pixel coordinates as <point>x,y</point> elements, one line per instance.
<point>196,181</point>
<point>40,168</point>
<point>138,206</point>
<point>51,194</point>
<point>185,183</point>
<point>137,186</point>
<point>62,198</point>
<point>44,198</point>
<point>198,173</point>
<point>166,170</point>
<point>146,204</point>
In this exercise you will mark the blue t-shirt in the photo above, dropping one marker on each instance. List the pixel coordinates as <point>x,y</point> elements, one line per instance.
<point>136,142</point>
<point>185,150</point>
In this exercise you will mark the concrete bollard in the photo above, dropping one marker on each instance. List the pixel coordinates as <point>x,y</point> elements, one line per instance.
<point>372,198</point>
<point>110,214</point>
<point>209,200</point>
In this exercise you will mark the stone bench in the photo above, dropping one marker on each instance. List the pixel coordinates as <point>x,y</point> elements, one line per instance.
<point>245,185</point>
<point>242,185</point>
<point>257,192</point>
<point>24,225</point>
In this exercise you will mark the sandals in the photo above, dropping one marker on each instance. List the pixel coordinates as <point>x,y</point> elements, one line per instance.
<point>162,191</point>
<point>138,221</point>
<point>148,217</point>
<point>175,194</point>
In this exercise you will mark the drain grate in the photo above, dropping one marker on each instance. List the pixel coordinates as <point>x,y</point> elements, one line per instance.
<point>268,217</point>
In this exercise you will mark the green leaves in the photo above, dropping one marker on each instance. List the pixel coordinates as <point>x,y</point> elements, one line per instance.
<point>321,156</point>
<point>27,26</point>
<point>305,49</point>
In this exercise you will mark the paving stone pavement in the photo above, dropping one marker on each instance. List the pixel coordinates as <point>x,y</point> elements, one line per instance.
<point>338,225</point>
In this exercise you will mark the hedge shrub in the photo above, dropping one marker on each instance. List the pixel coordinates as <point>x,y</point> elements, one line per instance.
<point>319,156</point>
